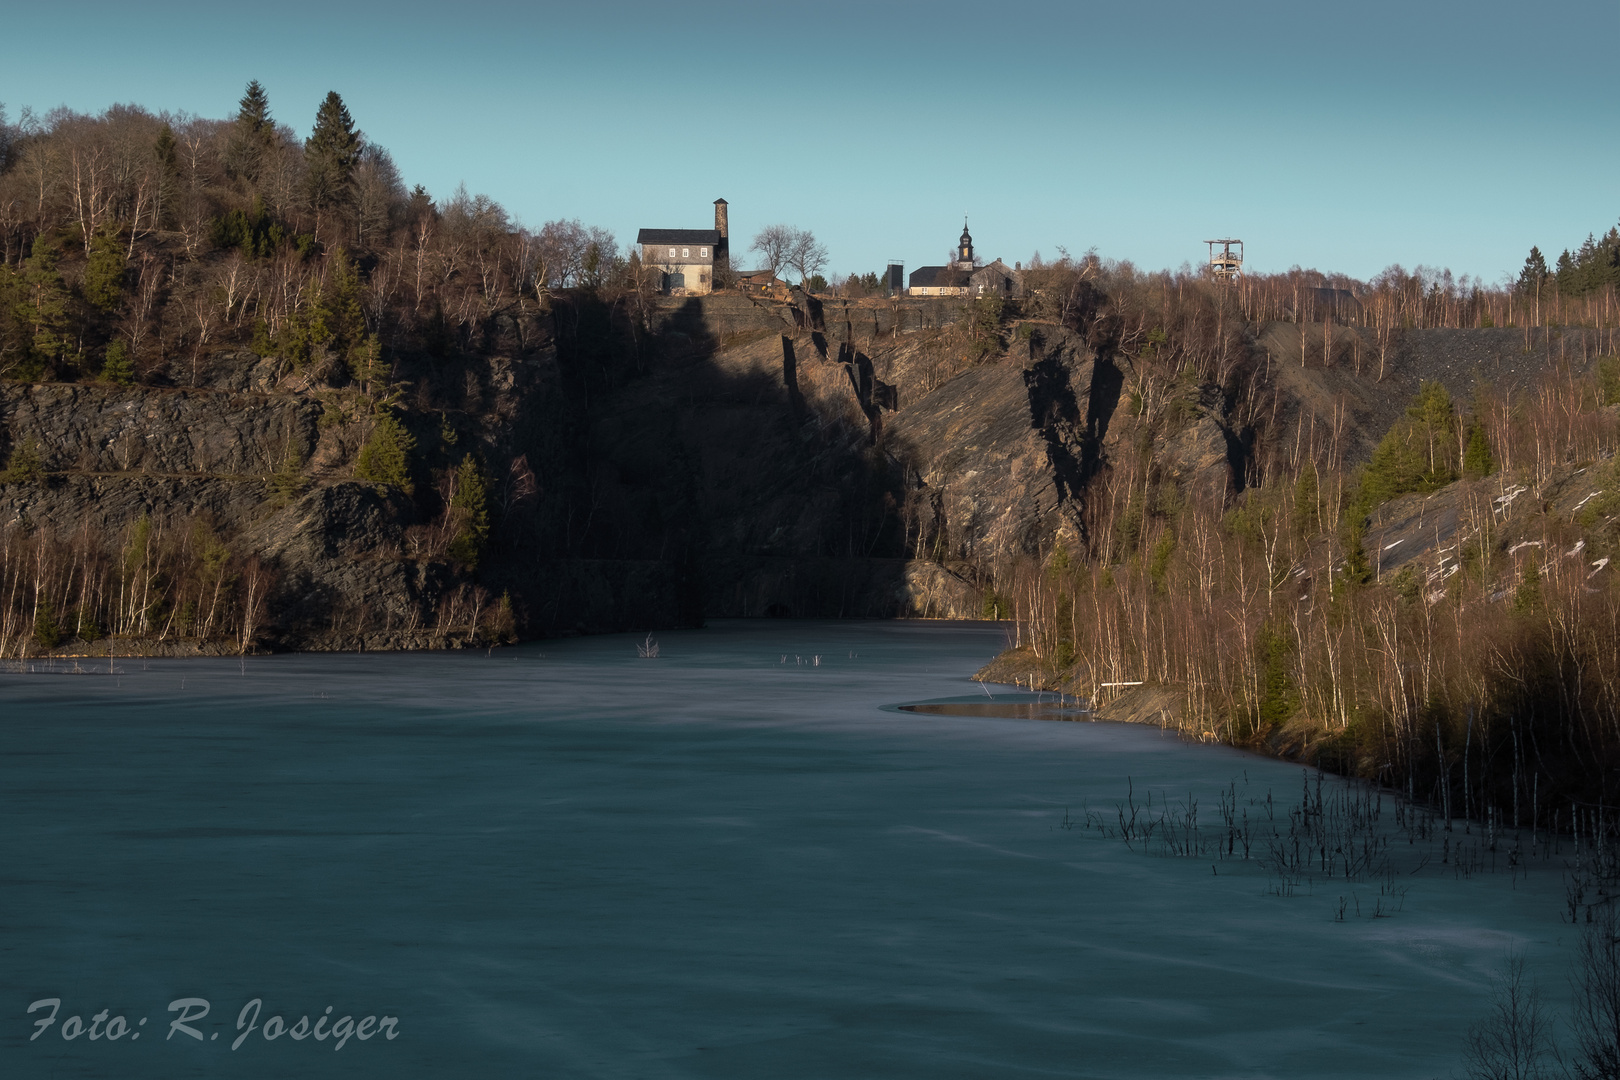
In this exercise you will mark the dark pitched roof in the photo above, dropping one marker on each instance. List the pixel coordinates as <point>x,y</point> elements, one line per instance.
<point>678,236</point>
<point>927,277</point>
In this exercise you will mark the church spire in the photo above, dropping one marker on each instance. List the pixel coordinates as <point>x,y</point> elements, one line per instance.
<point>964,249</point>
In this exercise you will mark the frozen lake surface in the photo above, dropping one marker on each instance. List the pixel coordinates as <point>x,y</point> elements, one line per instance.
<point>560,860</point>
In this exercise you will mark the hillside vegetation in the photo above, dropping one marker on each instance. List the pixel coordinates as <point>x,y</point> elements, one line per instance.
<point>1418,590</point>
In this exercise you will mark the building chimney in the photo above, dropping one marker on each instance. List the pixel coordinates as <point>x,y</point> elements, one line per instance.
<point>722,250</point>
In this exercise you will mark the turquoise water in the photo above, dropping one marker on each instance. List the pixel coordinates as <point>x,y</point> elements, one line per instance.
<point>560,860</point>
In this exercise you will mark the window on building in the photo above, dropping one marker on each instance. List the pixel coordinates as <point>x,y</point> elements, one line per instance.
<point>703,279</point>
<point>703,253</point>
<point>672,253</point>
<point>686,253</point>
<point>677,281</point>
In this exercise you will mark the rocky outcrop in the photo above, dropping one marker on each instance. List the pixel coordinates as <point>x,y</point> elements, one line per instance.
<point>1001,454</point>
<point>110,429</point>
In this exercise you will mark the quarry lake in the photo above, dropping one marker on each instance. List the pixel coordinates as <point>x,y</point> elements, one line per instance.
<point>562,860</point>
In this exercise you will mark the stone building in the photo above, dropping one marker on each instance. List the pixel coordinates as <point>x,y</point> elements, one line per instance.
<point>963,276</point>
<point>687,260</point>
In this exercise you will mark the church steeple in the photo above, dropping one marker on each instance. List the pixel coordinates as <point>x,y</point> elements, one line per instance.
<point>964,249</point>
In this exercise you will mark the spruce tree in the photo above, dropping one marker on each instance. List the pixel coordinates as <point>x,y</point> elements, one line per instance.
<point>287,482</point>
<point>470,504</point>
<point>1478,461</point>
<point>1534,274</point>
<point>386,456</point>
<point>1307,514</point>
<point>47,632</point>
<point>104,271</point>
<point>165,149</point>
<point>45,305</point>
<point>253,136</point>
<point>116,367</point>
<point>330,155</point>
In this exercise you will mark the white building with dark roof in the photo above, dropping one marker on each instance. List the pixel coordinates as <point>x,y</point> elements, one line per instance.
<point>686,259</point>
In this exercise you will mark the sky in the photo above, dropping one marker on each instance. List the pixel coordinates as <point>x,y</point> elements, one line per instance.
<point>1344,137</point>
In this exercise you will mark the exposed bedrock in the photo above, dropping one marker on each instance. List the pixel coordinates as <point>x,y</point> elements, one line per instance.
<point>653,462</point>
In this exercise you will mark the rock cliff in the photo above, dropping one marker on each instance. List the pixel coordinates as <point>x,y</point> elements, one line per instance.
<point>648,463</point>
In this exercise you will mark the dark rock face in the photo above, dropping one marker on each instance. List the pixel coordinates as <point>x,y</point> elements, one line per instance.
<point>106,429</point>
<point>647,466</point>
<point>105,505</point>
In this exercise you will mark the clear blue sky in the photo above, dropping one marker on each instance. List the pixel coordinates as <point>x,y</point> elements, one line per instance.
<point>1344,136</point>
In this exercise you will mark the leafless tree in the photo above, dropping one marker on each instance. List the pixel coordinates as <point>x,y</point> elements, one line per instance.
<point>1514,1040</point>
<point>774,243</point>
<point>378,189</point>
<point>573,254</point>
<point>806,255</point>
<point>1596,1019</point>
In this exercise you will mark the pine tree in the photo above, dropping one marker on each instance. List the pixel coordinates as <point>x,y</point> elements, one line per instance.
<point>330,155</point>
<point>1478,461</point>
<point>1357,570</point>
<point>47,632</point>
<point>470,504</point>
<point>116,368</point>
<point>1564,272</point>
<point>25,463</point>
<point>166,151</point>
<point>253,136</point>
<point>44,307</point>
<point>287,482</point>
<point>1588,268</point>
<point>386,456</point>
<point>1533,277</point>
<point>1534,273</point>
<point>104,271</point>
<point>1307,513</point>
<point>344,317</point>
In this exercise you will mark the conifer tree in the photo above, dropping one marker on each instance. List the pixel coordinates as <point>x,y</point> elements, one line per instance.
<point>386,456</point>
<point>1307,497</point>
<point>116,367</point>
<point>330,155</point>
<point>104,271</point>
<point>47,632</point>
<point>165,149</point>
<point>1478,461</point>
<point>1533,277</point>
<point>471,504</point>
<point>287,482</point>
<point>253,137</point>
<point>44,307</point>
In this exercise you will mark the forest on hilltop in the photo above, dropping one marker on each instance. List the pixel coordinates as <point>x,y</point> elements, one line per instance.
<point>151,241</point>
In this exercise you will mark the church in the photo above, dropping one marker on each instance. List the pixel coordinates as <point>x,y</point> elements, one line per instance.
<point>963,276</point>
